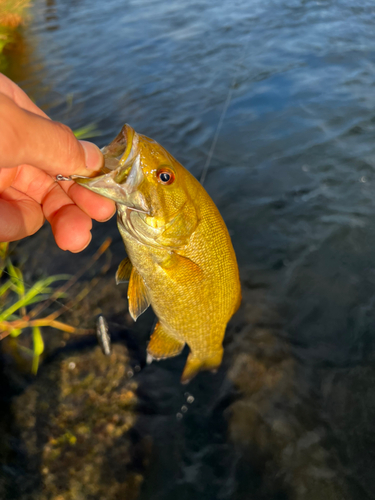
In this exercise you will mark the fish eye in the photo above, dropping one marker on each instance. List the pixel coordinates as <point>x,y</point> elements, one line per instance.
<point>165,176</point>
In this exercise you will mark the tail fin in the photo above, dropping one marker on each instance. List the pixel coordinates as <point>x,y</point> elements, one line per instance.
<point>195,364</point>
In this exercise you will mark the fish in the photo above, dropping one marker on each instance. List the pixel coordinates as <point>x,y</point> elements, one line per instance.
<point>180,258</point>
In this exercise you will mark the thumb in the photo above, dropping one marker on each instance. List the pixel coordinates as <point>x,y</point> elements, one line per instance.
<point>27,138</point>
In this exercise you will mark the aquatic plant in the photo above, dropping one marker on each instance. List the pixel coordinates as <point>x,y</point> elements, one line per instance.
<point>87,132</point>
<point>16,299</point>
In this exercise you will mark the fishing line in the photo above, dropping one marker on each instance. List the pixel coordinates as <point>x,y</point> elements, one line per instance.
<point>217,132</point>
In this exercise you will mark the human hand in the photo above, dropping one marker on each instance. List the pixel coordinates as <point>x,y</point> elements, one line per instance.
<point>33,150</point>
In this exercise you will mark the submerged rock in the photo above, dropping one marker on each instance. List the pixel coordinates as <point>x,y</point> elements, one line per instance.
<point>75,427</point>
<point>275,424</point>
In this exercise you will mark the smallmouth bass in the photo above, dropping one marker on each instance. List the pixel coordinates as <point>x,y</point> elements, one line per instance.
<point>180,257</point>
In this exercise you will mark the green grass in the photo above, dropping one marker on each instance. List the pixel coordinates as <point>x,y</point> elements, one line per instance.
<point>16,314</point>
<point>87,132</point>
<point>22,305</point>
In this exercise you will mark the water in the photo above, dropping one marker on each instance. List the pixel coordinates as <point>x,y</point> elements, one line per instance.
<point>291,414</point>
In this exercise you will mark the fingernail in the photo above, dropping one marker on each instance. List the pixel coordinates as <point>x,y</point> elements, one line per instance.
<point>94,158</point>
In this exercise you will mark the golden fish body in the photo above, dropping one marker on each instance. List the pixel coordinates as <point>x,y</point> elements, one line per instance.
<point>180,256</point>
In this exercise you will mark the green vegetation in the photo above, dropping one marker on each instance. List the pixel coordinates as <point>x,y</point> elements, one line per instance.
<point>15,302</point>
<point>87,132</point>
<point>21,305</point>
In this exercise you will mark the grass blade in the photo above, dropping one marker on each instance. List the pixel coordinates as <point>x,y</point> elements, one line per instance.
<point>38,349</point>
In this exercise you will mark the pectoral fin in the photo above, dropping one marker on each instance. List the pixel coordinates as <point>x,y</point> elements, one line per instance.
<point>124,271</point>
<point>137,295</point>
<point>163,345</point>
<point>181,227</point>
<point>180,268</point>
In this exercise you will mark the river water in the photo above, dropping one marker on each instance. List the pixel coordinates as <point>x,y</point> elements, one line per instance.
<point>289,87</point>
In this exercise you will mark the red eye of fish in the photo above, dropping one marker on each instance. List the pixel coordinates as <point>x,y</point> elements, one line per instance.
<point>165,176</point>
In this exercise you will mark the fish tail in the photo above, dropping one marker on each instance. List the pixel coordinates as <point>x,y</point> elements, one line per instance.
<point>194,364</point>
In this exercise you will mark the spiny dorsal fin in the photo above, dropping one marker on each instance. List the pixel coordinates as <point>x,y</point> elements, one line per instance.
<point>163,345</point>
<point>137,295</point>
<point>123,272</point>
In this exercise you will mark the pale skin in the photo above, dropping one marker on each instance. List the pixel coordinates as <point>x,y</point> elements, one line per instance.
<point>33,150</point>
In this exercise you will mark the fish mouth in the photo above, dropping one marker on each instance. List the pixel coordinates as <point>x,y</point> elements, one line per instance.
<point>122,172</point>
<point>118,152</point>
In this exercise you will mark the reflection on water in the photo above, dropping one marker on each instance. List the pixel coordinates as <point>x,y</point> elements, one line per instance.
<point>291,413</point>
<point>50,16</point>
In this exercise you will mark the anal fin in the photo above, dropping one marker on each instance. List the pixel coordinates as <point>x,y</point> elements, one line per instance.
<point>124,271</point>
<point>137,295</point>
<point>163,345</point>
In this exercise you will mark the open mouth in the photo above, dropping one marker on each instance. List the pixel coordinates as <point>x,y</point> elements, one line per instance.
<point>118,152</point>
<point>120,163</point>
<point>121,174</point>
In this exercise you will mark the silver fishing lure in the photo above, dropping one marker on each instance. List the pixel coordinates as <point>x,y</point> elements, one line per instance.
<point>102,333</point>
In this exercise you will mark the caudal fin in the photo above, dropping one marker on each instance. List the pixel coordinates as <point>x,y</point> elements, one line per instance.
<point>195,364</point>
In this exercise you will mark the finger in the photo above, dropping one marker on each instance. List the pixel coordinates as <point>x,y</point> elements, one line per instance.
<point>27,138</point>
<point>13,91</point>
<point>39,186</point>
<point>70,225</point>
<point>7,177</point>
<point>36,184</point>
<point>71,228</point>
<point>28,180</point>
<point>20,216</point>
<point>96,206</point>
